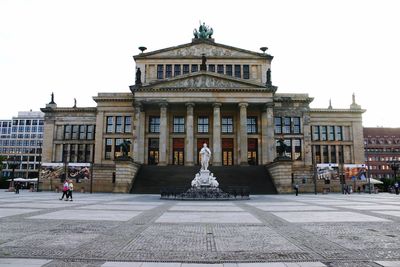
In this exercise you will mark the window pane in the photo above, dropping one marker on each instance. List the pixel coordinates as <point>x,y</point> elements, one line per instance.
<point>238,71</point>
<point>168,71</point>
<point>154,124</point>
<point>286,127</point>
<point>195,68</point>
<point>246,72</point>
<point>185,68</point>
<point>211,68</point>
<point>179,125</point>
<point>160,71</point>
<point>128,124</point>
<point>323,133</point>
<point>202,125</point>
<point>278,125</point>
<point>220,69</point>
<point>177,70</point>
<point>331,133</point>
<point>315,133</point>
<point>227,125</point>
<point>110,124</point>
<point>118,124</point>
<point>252,125</point>
<point>296,125</point>
<point>339,133</point>
<point>229,70</point>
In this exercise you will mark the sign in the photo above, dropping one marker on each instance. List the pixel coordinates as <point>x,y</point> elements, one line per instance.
<point>328,171</point>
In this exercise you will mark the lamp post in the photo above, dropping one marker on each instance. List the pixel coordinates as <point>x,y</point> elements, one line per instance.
<point>368,174</point>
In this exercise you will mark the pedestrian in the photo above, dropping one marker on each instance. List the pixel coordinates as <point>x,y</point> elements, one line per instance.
<point>396,187</point>
<point>17,186</point>
<point>70,190</point>
<point>65,191</point>
<point>296,189</point>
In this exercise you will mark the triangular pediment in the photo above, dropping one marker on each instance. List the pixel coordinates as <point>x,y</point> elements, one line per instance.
<point>198,48</point>
<point>204,81</point>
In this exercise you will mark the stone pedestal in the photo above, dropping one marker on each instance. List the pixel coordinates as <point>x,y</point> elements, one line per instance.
<point>125,173</point>
<point>205,179</point>
<point>281,173</point>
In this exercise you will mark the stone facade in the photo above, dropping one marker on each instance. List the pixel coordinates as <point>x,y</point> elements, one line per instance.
<point>206,92</point>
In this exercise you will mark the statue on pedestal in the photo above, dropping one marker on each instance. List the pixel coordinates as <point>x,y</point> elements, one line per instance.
<point>205,153</point>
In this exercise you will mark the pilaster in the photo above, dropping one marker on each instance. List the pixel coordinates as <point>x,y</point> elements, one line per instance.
<point>163,160</point>
<point>189,143</point>
<point>216,150</point>
<point>243,133</point>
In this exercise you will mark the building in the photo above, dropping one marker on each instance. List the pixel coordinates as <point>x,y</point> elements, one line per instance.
<point>21,143</point>
<point>203,92</point>
<point>382,146</point>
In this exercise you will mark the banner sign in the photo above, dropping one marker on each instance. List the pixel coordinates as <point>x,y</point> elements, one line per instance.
<point>328,171</point>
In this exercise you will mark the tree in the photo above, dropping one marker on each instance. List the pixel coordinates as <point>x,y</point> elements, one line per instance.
<point>2,159</point>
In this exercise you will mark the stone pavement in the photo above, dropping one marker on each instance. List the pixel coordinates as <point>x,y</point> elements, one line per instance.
<point>110,230</point>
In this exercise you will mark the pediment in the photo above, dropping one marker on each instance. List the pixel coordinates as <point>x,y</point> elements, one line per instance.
<point>204,81</point>
<point>197,49</point>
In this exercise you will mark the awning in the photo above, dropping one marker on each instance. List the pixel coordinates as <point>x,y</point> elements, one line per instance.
<point>375,181</point>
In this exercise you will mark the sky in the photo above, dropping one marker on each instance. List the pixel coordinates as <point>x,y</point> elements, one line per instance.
<point>78,48</point>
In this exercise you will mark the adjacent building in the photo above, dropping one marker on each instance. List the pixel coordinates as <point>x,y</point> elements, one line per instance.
<point>195,93</point>
<point>21,141</point>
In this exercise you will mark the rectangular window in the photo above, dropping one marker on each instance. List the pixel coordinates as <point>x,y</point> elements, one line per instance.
<point>325,158</point>
<point>160,72</point>
<point>75,130</point>
<point>220,69</point>
<point>229,70</point>
<point>202,124</point>
<point>185,68</point>
<point>340,154</point>
<point>297,149</point>
<point>88,149</point>
<point>118,124</point>
<point>15,122</point>
<point>179,124</point>
<point>211,67</point>
<point>288,143</point>
<point>227,124</point>
<point>108,148</point>
<point>251,125</point>
<point>90,132</point>
<point>67,132</point>
<point>331,133</point>
<point>317,154</point>
<point>246,72</point>
<point>333,154</point>
<point>128,124</point>
<point>278,125</point>
<point>339,133</point>
<point>315,133</point>
<point>177,70</point>
<point>81,153</point>
<point>82,132</point>
<point>110,124</point>
<point>168,71</point>
<point>154,124</point>
<point>195,68</point>
<point>286,125</point>
<point>238,71</point>
<point>117,148</point>
<point>323,133</point>
<point>296,125</point>
<point>34,122</point>
<point>21,122</point>
<point>28,122</point>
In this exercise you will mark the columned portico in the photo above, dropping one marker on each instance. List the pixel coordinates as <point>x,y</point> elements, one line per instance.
<point>216,157</point>
<point>189,142</point>
<point>243,134</point>
<point>163,134</point>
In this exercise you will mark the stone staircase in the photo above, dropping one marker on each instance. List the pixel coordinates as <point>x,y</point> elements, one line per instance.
<point>151,179</point>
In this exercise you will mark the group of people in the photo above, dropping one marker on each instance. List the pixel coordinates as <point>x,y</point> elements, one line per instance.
<point>68,188</point>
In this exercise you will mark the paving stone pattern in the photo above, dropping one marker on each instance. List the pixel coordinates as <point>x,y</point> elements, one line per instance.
<point>36,229</point>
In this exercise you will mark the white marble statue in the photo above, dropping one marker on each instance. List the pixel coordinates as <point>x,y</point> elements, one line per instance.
<point>205,153</point>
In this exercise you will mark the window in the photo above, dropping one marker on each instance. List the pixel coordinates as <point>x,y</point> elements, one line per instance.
<point>110,124</point>
<point>211,67</point>
<point>88,149</point>
<point>160,72</point>
<point>185,68</point>
<point>40,129</point>
<point>154,124</point>
<point>202,124</point>
<point>90,132</point>
<point>117,147</point>
<point>179,124</point>
<point>34,122</point>
<point>229,70</point>
<point>296,125</point>
<point>67,132</point>
<point>34,129</point>
<point>278,125</point>
<point>331,133</point>
<point>297,149</point>
<point>168,71</point>
<point>81,153</point>
<point>128,124</point>
<point>195,68</point>
<point>82,132</point>
<point>333,154</point>
<point>323,134</point>
<point>28,122</point>
<point>41,122</point>
<point>339,133</point>
<point>246,72</point>
<point>286,125</point>
<point>118,124</point>
<point>15,122</point>
<point>75,130</point>
<point>108,148</point>
<point>220,69</point>
<point>177,70</point>
<point>315,133</point>
<point>227,124</point>
<point>325,158</point>
<point>238,71</point>
<point>21,122</point>
<point>317,154</point>
<point>251,125</point>
<point>340,154</point>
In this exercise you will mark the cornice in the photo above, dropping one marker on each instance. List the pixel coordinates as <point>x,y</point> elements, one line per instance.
<point>69,110</point>
<point>323,110</point>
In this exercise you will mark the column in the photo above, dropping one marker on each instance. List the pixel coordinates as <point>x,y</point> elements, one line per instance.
<point>138,133</point>
<point>189,142</point>
<point>243,133</point>
<point>267,133</point>
<point>163,160</point>
<point>216,149</point>
<point>99,140</point>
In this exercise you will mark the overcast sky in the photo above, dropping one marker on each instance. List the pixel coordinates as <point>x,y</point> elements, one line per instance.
<point>328,49</point>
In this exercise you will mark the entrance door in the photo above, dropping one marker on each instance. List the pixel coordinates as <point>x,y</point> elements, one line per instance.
<point>200,142</point>
<point>252,144</point>
<point>178,149</point>
<point>227,151</point>
<point>153,151</point>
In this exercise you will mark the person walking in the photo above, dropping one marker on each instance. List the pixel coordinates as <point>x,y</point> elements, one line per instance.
<point>17,187</point>
<point>65,191</point>
<point>296,189</point>
<point>70,190</point>
<point>396,187</point>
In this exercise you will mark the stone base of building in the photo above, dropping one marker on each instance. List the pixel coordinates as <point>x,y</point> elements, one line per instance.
<point>125,173</point>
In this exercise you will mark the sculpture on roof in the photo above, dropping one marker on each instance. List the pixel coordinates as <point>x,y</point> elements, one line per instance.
<point>204,32</point>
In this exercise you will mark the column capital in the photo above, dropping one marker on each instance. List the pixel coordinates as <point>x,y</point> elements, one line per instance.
<point>163,104</point>
<point>189,104</point>
<point>217,105</point>
<point>243,105</point>
<point>138,106</point>
<point>268,105</point>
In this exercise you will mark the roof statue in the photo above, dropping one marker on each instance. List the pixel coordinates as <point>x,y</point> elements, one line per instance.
<point>204,32</point>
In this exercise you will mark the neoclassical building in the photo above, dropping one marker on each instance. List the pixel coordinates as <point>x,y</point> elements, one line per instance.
<point>195,93</point>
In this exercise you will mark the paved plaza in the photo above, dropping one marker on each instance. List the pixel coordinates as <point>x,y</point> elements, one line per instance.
<point>110,230</point>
